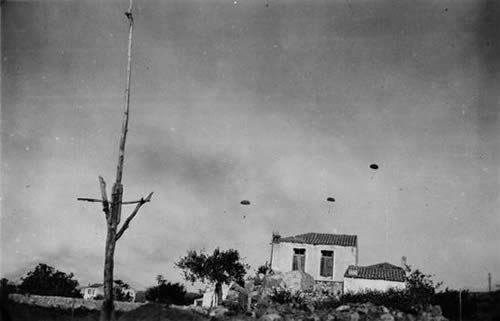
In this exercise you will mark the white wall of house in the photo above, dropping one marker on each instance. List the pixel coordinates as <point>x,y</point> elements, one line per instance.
<point>355,285</point>
<point>92,292</point>
<point>343,256</point>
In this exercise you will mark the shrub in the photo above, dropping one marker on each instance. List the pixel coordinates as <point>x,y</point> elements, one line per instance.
<point>284,296</point>
<point>167,292</point>
<point>449,302</point>
<point>395,299</point>
<point>420,287</point>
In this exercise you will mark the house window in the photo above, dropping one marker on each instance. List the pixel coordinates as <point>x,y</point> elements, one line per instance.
<point>326,264</point>
<point>299,259</point>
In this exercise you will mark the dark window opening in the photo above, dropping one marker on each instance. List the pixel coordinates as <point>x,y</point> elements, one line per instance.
<point>299,259</point>
<point>326,264</point>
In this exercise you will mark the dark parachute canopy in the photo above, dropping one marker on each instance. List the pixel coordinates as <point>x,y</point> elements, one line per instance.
<point>374,166</point>
<point>245,202</point>
<point>330,199</point>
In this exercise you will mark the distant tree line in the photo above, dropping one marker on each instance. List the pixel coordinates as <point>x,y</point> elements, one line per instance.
<point>44,280</point>
<point>47,281</point>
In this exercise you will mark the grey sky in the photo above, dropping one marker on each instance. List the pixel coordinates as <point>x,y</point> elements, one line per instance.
<point>283,103</point>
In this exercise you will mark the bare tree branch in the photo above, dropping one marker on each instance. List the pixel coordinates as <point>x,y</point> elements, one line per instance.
<point>95,200</point>
<point>131,217</point>
<point>135,202</point>
<point>89,200</point>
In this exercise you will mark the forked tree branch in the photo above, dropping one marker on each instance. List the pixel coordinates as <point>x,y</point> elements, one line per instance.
<point>131,217</point>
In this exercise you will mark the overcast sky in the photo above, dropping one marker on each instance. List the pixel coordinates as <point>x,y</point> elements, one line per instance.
<point>282,103</point>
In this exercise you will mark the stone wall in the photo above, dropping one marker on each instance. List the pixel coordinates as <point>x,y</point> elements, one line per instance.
<point>329,288</point>
<point>69,303</point>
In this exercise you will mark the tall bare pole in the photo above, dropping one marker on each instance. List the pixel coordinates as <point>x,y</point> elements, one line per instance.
<point>113,214</point>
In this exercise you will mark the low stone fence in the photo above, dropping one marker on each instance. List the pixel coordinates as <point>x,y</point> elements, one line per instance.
<point>69,303</point>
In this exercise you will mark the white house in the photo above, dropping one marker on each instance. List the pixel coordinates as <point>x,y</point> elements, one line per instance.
<point>97,290</point>
<point>92,291</point>
<point>324,256</point>
<point>377,277</point>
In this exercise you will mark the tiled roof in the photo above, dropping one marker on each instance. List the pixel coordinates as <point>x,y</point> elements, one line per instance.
<point>95,285</point>
<point>322,239</point>
<point>384,265</point>
<point>382,271</point>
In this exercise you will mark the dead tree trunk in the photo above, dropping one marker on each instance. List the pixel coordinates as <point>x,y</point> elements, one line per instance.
<point>113,209</point>
<point>107,312</point>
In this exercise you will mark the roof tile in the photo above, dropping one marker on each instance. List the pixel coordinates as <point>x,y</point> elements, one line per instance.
<point>322,239</point>
<point>382,271</point>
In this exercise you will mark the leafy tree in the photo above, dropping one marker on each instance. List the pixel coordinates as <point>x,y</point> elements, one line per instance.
<point>45,280</point>
<point>120,292</point>
<point>166,292</point>
<point>220,267</point>
<point>420,287</point>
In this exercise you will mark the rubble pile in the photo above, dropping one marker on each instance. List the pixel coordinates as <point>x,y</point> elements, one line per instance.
<point>293,296</point>
<point>348,312</point>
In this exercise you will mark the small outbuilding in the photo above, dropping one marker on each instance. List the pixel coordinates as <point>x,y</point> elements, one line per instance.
<point>377,277</point>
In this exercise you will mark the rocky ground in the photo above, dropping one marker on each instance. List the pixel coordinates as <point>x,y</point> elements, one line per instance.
<point>347,312</point>
<point>294,296</point>
<point>262,312</point>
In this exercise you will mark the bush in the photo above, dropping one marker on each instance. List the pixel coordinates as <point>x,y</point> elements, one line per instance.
<point>284,296</point>
<point>400,300</point>
<point>120,291</point>
<point>167,292</point>
<point>449,302</point>
<point>421,288</point>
